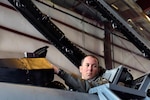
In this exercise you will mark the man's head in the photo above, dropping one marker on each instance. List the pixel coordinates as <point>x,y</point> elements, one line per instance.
<point>89,67</point>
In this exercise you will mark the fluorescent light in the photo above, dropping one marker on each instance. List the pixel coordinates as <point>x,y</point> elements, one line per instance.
<point>114,6</point>
<point>147,18</point>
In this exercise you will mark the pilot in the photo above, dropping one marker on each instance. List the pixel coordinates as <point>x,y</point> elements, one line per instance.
<point>90,75</point>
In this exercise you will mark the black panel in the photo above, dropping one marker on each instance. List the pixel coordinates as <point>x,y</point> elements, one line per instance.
<point>40,77</point>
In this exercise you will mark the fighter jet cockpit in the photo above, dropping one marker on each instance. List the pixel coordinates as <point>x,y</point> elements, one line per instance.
<point>123,86</point>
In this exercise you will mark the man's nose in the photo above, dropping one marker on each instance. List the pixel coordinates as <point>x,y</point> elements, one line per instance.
<point>90,67</point>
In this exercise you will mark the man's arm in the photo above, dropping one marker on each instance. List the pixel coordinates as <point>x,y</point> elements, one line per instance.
<point>75,83</point>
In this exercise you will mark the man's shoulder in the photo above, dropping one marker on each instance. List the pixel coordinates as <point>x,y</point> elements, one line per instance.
<point>101,80</point>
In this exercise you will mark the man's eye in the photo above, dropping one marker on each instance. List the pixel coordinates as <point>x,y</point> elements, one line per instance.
<point>87,65</point>
<point>95,66</point>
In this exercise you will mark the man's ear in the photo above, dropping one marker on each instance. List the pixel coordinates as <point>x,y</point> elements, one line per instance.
<point>80,69</point>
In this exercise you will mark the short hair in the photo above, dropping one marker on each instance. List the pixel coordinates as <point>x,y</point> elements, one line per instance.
<point>90,56</point>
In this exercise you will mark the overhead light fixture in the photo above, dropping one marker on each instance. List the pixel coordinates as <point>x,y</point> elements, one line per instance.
<point>147,17</point>
<point>114,6</point>
<point>141,28</point>
<point>129,20</point>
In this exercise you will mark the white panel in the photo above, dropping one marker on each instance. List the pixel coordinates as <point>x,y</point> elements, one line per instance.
<point>94,45</point>
<point>5,2</point>
<point>125,44</point>
<point>14,20</point>
<point>131,59</point>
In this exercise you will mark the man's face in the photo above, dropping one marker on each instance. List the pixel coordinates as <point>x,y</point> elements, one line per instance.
<point>89,68</point>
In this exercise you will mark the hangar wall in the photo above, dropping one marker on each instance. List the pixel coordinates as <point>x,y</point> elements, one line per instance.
<point>87,37</point>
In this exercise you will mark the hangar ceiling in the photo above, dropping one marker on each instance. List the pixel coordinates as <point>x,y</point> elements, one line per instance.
<point>133,14</point>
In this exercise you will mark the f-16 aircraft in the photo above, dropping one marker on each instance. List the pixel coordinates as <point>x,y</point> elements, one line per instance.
<point>71,29</point>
